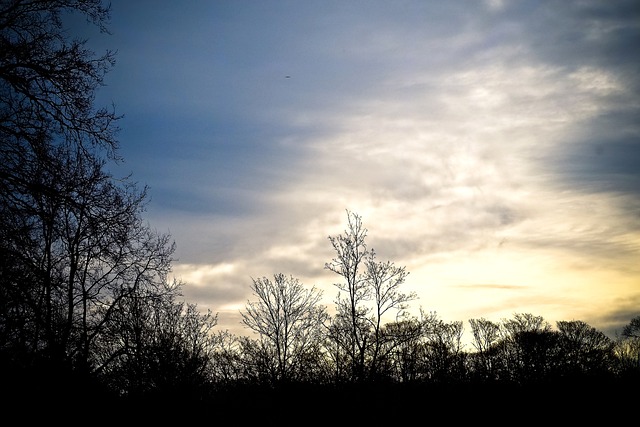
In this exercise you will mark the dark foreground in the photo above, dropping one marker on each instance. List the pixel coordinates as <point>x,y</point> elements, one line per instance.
<point>579,401</point>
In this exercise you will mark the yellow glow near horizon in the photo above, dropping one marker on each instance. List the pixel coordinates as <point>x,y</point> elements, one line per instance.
<point>449,183</point>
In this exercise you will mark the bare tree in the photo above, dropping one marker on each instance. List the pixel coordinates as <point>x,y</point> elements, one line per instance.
<point>226,360</point>
<point>289,321</point>
<point>351,324</point>
<point>48,82</point>
<point>585,350</point>
<point>384,279</point>
<point>632,330</point>
<point>75,251</point>
<point>371,289</point>
<point>157,346</point>
<point>486,336</point>
<point>403,355</point>
<point>528,347</point>
<point>47,124</point>
<point>525,322</point>
<point>627,348</point>
<point>445,343</point>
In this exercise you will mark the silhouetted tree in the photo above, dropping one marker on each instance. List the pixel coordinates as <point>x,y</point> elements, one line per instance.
<point>339,348</point>
<point>75,250</point>
<point>627,349</point>
<point>444,360</point>
<point>157,346</point>
<point>371,289</point>
<point>486,336</point>
<point>350,327</point>
<point>632,330</point>
<point>403,354</point>
<point>290,323</point>
<point>226,360</point>
<point>384,279</point>
<point>82,249</point>
<point>584,349</point>
<point>526,346</point>
<point>48,83</point>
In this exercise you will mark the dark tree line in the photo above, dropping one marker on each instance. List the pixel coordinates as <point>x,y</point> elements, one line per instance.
<point>87,310</point>
<point>83,278</point>
<point>358,344</point>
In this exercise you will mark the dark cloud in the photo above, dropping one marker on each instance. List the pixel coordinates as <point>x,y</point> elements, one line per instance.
<point>602,165</point>
<point>603,156</point>
<point>577,33</point>
<point>612,322</point>
<point>600,153</point>
<point>220,293</point>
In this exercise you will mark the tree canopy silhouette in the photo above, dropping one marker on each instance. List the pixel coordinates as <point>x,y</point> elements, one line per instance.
<point>79,267</point>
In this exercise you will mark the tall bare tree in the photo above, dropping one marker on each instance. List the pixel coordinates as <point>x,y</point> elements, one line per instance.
<point>384,280</point>
<point>289,321</point>
<point>371,289</point>
<point>74,247</point>
<point>351,325</point>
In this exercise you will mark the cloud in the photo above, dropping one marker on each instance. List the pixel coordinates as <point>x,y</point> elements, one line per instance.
<point>619,315</point>
<point>488,286</point>
<point>456,182</point>
<point>482,143</point>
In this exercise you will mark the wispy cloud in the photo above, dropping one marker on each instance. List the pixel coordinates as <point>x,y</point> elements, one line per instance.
<point>482,142</point>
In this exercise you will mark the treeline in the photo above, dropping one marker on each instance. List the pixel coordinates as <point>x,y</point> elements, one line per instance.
<point>88,313</point>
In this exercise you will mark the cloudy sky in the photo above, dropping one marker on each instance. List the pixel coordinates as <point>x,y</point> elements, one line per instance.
<point>490,147</point>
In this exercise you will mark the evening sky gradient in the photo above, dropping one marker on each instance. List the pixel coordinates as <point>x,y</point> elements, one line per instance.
<point>491,147</point>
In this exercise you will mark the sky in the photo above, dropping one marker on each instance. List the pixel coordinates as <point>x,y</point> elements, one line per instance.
<point>492,148</point>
